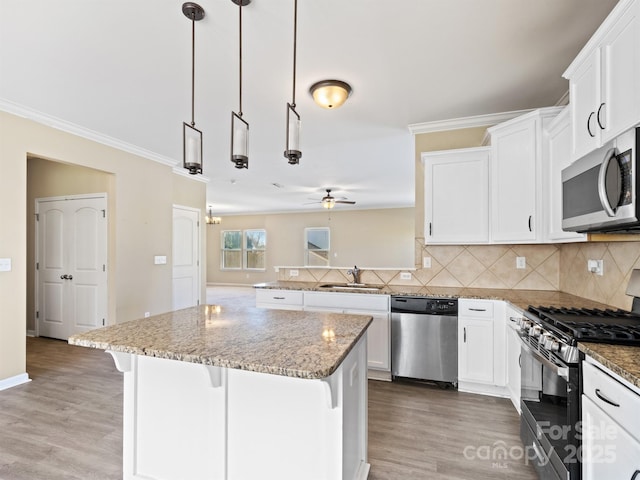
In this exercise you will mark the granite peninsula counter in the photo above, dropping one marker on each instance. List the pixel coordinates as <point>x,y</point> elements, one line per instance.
<point>226,392</point>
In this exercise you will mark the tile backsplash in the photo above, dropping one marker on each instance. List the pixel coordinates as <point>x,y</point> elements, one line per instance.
<point>548,267</point>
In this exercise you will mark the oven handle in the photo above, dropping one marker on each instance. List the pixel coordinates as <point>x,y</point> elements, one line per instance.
<point>558,370</point>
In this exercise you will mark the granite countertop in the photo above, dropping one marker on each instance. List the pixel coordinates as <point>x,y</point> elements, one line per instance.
<point>621,359</point>
<point>290,343</point>
<point>518,298</point>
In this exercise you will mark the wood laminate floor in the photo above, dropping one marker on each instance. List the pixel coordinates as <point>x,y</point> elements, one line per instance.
<point>66,424</point>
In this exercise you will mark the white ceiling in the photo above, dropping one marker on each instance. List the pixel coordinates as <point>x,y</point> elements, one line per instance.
<point>121,68</point>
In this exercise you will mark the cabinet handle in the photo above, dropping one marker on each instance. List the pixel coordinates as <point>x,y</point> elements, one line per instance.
<point>635,474</point>
<point>589,124</point>
<point>278,298</point>
<point>478,309</point>
<point>63,277</point>
<point>514,319</point>
<point>464,330</point>
<point>530,223</point>
<point>598,116</point>
<point>520,360</point>
<point>430,229</point>
<point>605,399</point>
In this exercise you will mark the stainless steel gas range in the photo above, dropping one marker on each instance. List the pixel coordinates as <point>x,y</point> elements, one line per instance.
<point>550,425</point>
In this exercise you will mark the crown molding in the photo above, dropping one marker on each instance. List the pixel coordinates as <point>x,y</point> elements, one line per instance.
<point>465,122</point>
<point>74,129</point>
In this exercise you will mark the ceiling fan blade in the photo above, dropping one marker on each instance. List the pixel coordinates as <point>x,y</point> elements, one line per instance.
<point>348,202</point>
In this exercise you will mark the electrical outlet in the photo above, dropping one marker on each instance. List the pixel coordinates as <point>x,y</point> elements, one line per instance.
<point>426,262</point>
<point>521,262</point>
<point>276,269</point>
<point>293,273</point>
<point>405,275</point>
<point>596,266</point>
<point>147,314</point>
<point>5,264</point>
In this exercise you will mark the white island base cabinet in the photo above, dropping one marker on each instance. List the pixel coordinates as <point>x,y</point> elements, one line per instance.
<point>192,421</point>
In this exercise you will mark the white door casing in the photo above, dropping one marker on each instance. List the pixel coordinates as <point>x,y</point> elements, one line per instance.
<point>186,257</point>
<point>71,260</point>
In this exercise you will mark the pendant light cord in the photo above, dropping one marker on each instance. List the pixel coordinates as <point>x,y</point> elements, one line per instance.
<point>240,58</point>
<point>295,35</point>
<point>193,67</point>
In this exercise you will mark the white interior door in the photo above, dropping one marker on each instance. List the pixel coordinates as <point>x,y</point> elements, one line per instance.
<point>71,264</point>
<point>186,257</point>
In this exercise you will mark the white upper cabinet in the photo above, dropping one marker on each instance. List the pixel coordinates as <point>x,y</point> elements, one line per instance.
<point>517,157</point>
<point>604,79</point>
<point>457,196</point>
<point>558,144</point>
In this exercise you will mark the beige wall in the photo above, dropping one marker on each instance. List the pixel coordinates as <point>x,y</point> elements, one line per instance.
<point>143,193</point>
<point>433,142</point>
<point>367,238</point>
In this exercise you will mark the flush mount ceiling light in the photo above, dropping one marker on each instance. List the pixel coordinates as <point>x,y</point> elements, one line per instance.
<point>191,136</point>
<point>330,93</point>
<point>239,126</point>
<point>292,150</point>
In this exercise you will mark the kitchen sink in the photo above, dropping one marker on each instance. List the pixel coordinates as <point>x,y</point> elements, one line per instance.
<point>352,286</point>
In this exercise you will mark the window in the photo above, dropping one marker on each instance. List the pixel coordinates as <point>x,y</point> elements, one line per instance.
<point>255,243</point>
<point>232,249</point>
<point>243,249</point>
<point>316,247</point>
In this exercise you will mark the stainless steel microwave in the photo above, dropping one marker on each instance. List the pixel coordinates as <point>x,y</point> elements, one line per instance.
<point>599,190</point>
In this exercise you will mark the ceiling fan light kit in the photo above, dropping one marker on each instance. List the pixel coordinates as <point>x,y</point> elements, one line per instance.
<point>191,136</point>
<point>329,201</point>
<point>330,94</point>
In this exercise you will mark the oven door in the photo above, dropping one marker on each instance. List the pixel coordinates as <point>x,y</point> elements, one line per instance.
<point>549,403</point>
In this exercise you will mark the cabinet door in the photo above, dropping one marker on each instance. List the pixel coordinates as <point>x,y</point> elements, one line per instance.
<point>457,196</point>
<point>558,139</point>
<point>475,349</point>
<point>621,75</point>
<point>378,354</point>
<point>584,91</point>
<point>608,451</point>
<point>513,366</point>
<point>513,183</point>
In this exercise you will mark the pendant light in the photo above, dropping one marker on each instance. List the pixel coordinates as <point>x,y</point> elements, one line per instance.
<point>292,151</point>
<point>191,136</point>
<point>239,127</point>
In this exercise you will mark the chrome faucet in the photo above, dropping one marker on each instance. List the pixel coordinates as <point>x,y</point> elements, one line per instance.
<point>355,271</point>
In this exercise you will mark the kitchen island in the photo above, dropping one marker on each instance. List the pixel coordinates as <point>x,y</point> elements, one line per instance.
<point>224,392</point>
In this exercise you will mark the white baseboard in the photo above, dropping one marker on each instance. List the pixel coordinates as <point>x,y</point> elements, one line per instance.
<point>31,333</point>
<point>14,381</point>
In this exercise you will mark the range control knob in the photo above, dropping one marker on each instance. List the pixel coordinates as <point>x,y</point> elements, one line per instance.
<point>535,331</point>
<point>555,346</point>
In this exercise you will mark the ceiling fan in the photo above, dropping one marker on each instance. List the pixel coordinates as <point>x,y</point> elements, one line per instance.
<point>329,201</point>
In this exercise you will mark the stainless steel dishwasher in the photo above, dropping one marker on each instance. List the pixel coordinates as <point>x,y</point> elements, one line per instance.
<point>424,338</point>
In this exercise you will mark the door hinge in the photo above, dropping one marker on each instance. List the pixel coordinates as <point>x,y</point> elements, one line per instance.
<point>37,314</point>
<point>104,214</point>
<point>37,217</point>
<point>104,268</point>
<point>37,265</point>
<point>198,223</point>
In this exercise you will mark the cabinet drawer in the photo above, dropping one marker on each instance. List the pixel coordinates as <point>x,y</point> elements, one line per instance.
<point>279,297</point>
<point>475,308</point>
<point>347,301</point>
<point>616,400</point>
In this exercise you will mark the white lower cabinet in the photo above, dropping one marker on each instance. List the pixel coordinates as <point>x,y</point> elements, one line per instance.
<point>481,347</point>
<point>610,426</point>
<point>378,334</point>
<point>280,299</point>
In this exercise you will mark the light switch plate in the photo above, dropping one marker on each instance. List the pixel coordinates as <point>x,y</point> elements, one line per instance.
<point>521,262</point>
<point>5,264</point>
<point>405,275</point>
<point>426,262</point>
<point>160,259</point>
<point>293,273</point>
